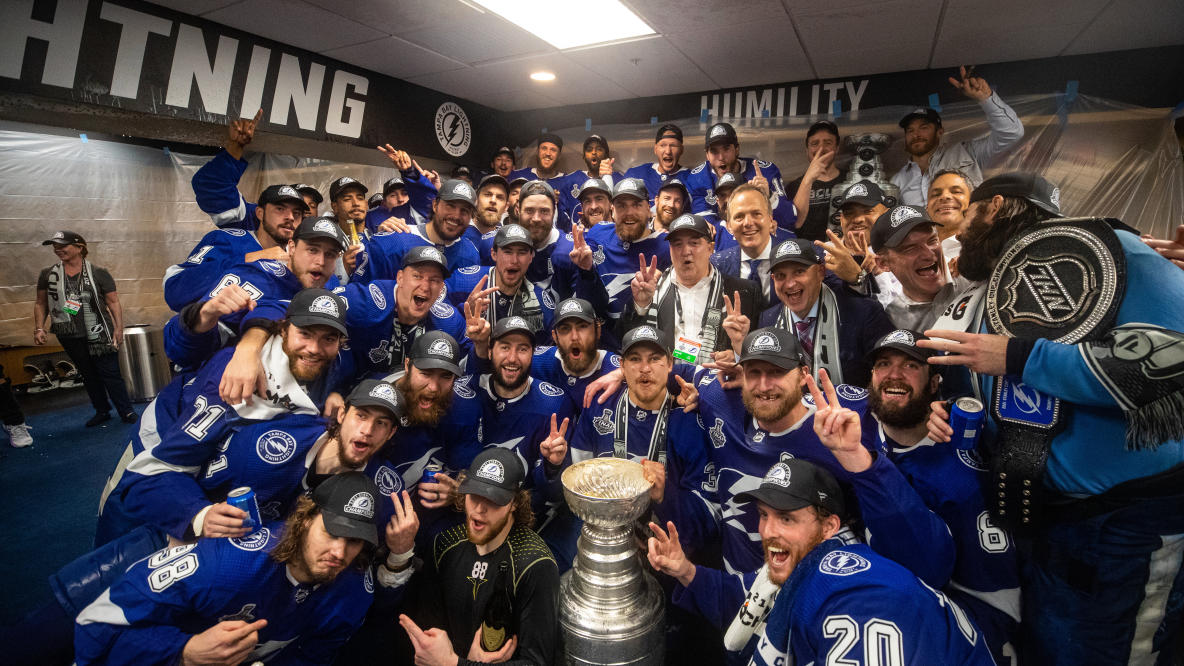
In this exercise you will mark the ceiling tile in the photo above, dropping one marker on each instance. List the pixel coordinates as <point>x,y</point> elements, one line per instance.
<point>869,37</point>
<point>394,57</point>
<point>671,16</point>
<point>195,7</point>
<point>1018,29</point>
<point>1133,24</point>
<point>479,38</point>
<point>402,16</point>
<point>310,27</point>
<point>660,69</point>
<point>768,53</point>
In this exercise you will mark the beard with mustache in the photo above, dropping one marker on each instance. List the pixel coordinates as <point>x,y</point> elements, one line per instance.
<point>579,366</point>
<point>908,415</point>
<point>775,412</point>
<point>983,242</point>
<point>429,417</point>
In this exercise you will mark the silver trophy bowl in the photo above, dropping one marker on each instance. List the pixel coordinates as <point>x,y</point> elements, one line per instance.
<point>611,611</point>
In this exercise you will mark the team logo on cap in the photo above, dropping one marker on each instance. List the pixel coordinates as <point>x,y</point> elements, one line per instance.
<point>645,333</point>
<point>59,236</point>
<point>857,190</point>
<point>778,475</point>
<point>766,342</point>
<point>275,446</point>
<point>440,347</point>
<point>325,305</point>
<point>345,180</point>
<point>903,337</point>
<point>1055,197</point>
<point>325,226</point>
<point>385,392</point>
<point>432,253</point>
<point>718,130</point>
<point>492,470</point>
<point>516,322</point>
<point>842,563</point>
<point>361,504</point>
<point>789,248</point>
<point>515,231</point>
<point>901,214</point>
<point>569,307</point>
<point>629,184</point>
<point>377,297</point>
<point>387,480</point>
<point>683,221</point>
<point>462,188</point>
<point>287,191</point>
<point>452,129</point>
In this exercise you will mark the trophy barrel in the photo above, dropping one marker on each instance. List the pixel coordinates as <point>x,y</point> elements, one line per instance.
<point>632,633</point>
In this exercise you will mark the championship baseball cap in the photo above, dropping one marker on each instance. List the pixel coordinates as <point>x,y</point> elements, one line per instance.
<point>504,150</point>
<point>493,179</point>
<point>796,251</point>
<point>864,192</point>
<point>631,187</point>
<point>894,224</point>
<point>511,234</point>
<point>775,345</point>
<point>342,184</point>
<point>533,187</point>
<point>495,474</point>
<point>596,138</point>
<point>920,112</point>
<point>593,185</point>
<point>64,238</point>
<point>309,191</point>
<point>426,254</point>
<point>721,133</point>
<point>392,184</point>
<point>552,138</point>
<point>674,182</point>
<point>794,483</point>
<point>519,181</point>
<point>822,126</point>
<point>462,171</point>
<point>347,502</point>
<point>689,223</point>
<point>276,194</point>
<point>574,308</point>
<point>729,181</point>
<point>902,340</point>
<point>457,190</point>
<point>317,307</point>
<point>321,227</point>
<point>646,335</point>
<point>436,350</point>
<point>668,131</point>
<point>513,324</point>
<point>374,200</point>
<point>1029,186</point>
<point>377,393</point>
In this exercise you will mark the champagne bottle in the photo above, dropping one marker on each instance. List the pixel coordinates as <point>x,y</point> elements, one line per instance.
<point>498,618</point>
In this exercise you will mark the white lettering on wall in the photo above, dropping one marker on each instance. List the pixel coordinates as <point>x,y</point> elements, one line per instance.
<point>759,102</point>
<point>291,91</point>
<point>345,113</point>
<point>191,62</point>
<point>129,60</point>
<point>64,36</point>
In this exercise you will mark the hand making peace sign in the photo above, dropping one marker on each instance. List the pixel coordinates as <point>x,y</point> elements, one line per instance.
<point>581,254</point>
<point>736,323</point>
<point>837,427</point>
<point>554,447</point>
<point>645,283</point>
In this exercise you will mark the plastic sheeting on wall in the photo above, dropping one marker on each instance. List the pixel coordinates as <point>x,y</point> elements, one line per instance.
<point>135,206</point>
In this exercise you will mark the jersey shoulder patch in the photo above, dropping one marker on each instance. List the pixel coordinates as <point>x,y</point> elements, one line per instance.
<point>614,360</point>
<point>699,168</point>
<point>546,299</point>
<point>550,389</point>
<point>254,541</point>
<point>763,164</point>
<point>377,296</point>
<point>469,270</point>
<point>487,234</point>
<point>541,349</point>
<point>848,392</point>
<point>234,232</point>
<point>461,387</point>
<point>274,267</point>
<point>843,563</point>
<point>443,310</point>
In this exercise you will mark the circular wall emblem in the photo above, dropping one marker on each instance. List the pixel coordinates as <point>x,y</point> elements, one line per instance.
<point>452,129</point>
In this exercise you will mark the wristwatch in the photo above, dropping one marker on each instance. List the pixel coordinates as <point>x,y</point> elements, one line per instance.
<point>860,278</point>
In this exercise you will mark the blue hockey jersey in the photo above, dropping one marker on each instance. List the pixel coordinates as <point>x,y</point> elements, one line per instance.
<point>651,174</point>
<point>216,253</point>
<point>547,365</point>
<point>215,186</point>
<point>382,256</point>
<point>567,188</point>
<point>616,263</point>
<point>846,604</point>
<point>164,600</point>
<point>701,183</point>
<point>552,268</point>
<point>465,280</point>
<point>376,216</point>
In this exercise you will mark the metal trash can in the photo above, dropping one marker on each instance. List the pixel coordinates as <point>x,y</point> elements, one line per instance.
<point>143,363</point>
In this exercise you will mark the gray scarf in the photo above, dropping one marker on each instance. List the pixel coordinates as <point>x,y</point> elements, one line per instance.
<point>96,324</point>
<point>826,335</point>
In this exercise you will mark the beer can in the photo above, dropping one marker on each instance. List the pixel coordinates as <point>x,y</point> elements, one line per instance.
<point>429,472</point>
<point>244,498</point>
<point>966,418</point>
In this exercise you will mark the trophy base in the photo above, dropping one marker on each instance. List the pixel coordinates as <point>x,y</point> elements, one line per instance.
<point>634,635</point>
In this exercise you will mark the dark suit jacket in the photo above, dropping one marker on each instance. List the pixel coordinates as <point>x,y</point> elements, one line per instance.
<point>862,322</point>
<point>749,306</point>
<point>727,261</point>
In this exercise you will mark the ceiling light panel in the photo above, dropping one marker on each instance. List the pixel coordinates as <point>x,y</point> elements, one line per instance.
<point>569,24</point>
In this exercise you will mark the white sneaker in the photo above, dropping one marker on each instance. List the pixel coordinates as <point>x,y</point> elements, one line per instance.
<point>19,434</point>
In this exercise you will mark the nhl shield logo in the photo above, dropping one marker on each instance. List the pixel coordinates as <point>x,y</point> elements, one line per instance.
<point>492,470</point>
<point>1049,291</point>
<point>361,504</point>
<point>778,475</point>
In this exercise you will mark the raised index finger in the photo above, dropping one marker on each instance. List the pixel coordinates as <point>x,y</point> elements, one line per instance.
<point>828,387</point>
<point>819,399</point>
<point>258,117</point>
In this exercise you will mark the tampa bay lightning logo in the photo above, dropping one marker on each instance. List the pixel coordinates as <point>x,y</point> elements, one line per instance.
<point>848,392</point>
<point>469,270</point>
<point>274,267</point>
<point>235,232</point>
<point>972,459</point>
<point>377,296</point>
<point>255,541</point>
<point>856,190</point>
<point>461,388</point>
<point>900,336</point>
<point>614,360</point>
<point>275,446</point>
<point>546,298</point>
<point>604,422</point>
<point>443,310</point>
<point>550,389</point>
<point>539,350</point>
<point>902,214</point>
<point>387,480</point>
<point>842,563</point>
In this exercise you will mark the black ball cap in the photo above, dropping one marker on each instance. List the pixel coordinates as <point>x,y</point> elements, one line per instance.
<point>902,340</point>
<point>508,325</point>
<point>593,185</point>
<point>348,502</point>
<point>309,191</point>
<point>575,308</point>
<point>795,251</point>
<point>504,150</point>
<point>317,307</point>
<point>495,474</point>
<point>433,350</point>
<point>1035,189</point>
<point>668,131</point>
<point>494,180</point>
<point>795,483</point>
<point>426,254</point>
<point>689,223</point>
<point>64,237</point>
<point>775,345</point>
<point>679,185</point>
<point>596,138</point>
<point>922,112</point>
<point>457,190</point>
<point>533,187</point>
<point>646,335</point>
<point>721,133</point>
<point>552,138</point>
<point>277,194</point>
<point>374,200</point>
<point>894,224</point>
<point>512,234</point>
<point>864,192</point>
<point>322,227</point>
<point>394,183</point>
<point>377,393</point>
<point>344,184</point>
<point>630,187</point>
<point>729,181</point>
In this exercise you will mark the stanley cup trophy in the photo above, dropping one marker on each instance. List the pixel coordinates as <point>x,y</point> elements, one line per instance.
<point>610,609</point>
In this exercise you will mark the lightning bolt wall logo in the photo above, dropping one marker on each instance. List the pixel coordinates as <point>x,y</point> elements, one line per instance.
<point>452,129</point>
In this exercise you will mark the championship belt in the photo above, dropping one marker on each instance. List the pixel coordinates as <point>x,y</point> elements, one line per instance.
<point>1062,280</point>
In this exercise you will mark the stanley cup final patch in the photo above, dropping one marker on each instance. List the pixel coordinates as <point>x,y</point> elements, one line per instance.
<point>1062,281</point>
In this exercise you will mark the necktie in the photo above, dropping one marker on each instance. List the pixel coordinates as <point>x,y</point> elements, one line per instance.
<point>804,336</point>
<point>754,274</point>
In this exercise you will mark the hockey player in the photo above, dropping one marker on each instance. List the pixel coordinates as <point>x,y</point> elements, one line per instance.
<point>291,594</point>
<point>394,212</point>
<point>419,187</point>
<point>666,165</point>
<point>568,187</point>
<point>574,360</point>
<point>492,194</point>
<point>552,266</point>
<point>723,156</point>
<point>595,206</point>
<point>671,201</point>
<point>452,211</point>
<point>550,145</point>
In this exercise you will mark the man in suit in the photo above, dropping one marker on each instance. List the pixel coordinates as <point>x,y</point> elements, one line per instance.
<point>753,235</point>
<point>689,298</point>
<point>837,326</point>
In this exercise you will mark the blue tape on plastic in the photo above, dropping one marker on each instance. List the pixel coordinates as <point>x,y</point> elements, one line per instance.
<point>166,150</point>
<point>934,102</point>
<point>653,120</point>
<point>764,113</point>
<point>836,109</point>
<point>587,124</point>
<point>543,131</point>
<point>1070,91</point>
<point>83,137</point>
<point>702,115</point>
